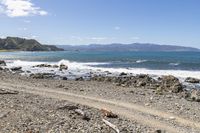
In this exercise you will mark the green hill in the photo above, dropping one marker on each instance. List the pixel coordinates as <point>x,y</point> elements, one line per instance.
<point>21,44</point>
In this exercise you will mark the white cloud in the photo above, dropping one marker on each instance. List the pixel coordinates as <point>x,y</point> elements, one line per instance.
<point>34,37</point>
<point>96,38</point>
<point>26,21</point>
<point>135,38</point>
<point>117,28</point>
<point>20,8</point>
<point>22,29</point>
<point>77,38</point>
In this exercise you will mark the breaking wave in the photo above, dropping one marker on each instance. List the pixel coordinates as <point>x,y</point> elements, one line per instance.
<point>77,67</point>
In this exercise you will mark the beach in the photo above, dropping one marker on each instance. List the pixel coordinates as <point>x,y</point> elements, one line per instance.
<point>99,66</point>
<point>31,104</point>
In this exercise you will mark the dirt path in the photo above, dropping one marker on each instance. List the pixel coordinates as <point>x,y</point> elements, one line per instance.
<point>144,115</point>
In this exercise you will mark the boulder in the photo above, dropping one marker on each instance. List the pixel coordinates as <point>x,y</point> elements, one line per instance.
<point>63,67</point>
<point>43,65</point>
<point>192,80</point>
<point>195,95</point>
<point>64,78</point>
<point>2,63</point>
<point>171,84</point>
<point>16,68</point>
<point>1,68</point>
<point>79,79</point>
<point>123,74</point>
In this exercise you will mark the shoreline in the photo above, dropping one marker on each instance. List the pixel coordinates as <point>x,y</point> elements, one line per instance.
<point>168,103</point>
<point>84,68</point>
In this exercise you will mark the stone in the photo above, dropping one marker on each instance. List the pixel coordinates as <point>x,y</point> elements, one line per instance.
<point>195,95</point>
<point>16,68</point>
<point>43,65</point>
<point>108,113</point>
<point>192,80</point>
<point>123,74</point>
<point>64,78</point>
<point>160,131</point>
<point>171,84</point>
<point>79,79</point>
<point>63,67</point>
<point>42,76</point>
<point>141,83</point>
<point>2,63</point>
<point>142,75</point>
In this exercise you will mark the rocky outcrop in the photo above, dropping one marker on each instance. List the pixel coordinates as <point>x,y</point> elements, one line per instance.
<point>136,81</point>
<point>42,76</point>
<point>166,83</point>
<point>192,80</point>
<point>170,84</point>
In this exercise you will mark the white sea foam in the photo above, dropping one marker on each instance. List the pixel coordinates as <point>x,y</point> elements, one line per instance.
<point>80,68</point>
<point>141,61</point>
<point>174,64</point>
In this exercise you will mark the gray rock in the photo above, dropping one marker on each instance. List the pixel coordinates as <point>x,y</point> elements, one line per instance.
<point>2,63</point>
<point>171,84</point>
<point>79,79</point>
<point>16,68</point>
<point>195,95</point>
<point>63,67</point>
<point>123,74</point>
<point>43,65</point>
<point>192,80</point>
<point>42,76</point>
<point>64,78</point>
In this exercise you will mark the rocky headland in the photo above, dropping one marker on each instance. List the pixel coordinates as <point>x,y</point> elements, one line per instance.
<point>22,44</point>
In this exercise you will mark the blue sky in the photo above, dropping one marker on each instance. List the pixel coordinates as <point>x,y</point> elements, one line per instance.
<point>173,22</point>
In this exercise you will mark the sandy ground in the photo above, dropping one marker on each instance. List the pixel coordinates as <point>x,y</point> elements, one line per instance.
<point>43,105</point>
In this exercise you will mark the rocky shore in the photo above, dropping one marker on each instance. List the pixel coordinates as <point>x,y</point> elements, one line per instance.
<point>26,112</point>
<point>160,85</point>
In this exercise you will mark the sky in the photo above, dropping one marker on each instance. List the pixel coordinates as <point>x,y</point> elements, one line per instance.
<point>79,22</point>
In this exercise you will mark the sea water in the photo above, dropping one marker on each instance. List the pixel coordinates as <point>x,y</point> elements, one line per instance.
<point>180,64</point>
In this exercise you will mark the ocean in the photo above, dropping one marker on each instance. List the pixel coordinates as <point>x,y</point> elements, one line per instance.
<point>180,64</point>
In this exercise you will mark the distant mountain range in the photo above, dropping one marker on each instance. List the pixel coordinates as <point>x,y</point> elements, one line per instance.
<point>127,47</point>
<point>21,44</point>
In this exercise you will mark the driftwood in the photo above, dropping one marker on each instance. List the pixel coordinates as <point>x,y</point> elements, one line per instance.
<point>5,92</point>
<point>111,125</point>
<point>83,114</point>
<point>108,113</point>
